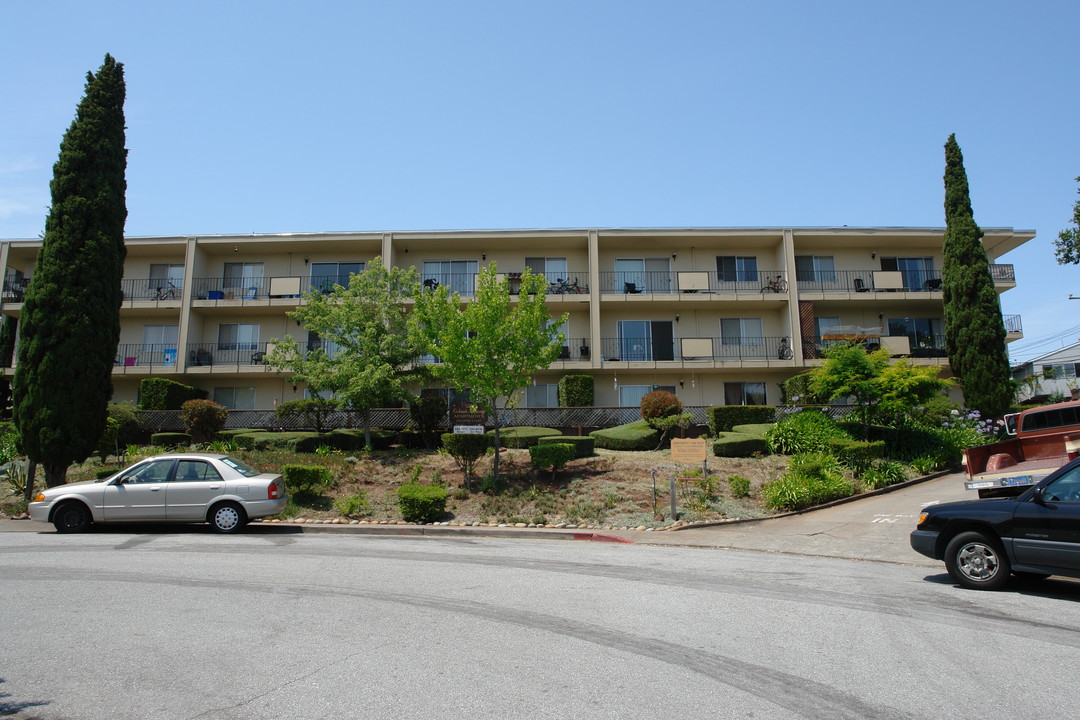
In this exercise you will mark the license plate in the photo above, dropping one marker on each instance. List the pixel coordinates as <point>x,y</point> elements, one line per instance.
<point>1016,481</point>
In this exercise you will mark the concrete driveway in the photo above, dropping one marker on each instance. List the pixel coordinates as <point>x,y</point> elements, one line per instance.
<point>874,528</point>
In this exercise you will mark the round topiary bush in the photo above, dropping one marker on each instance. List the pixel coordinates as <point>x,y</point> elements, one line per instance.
<point>660,404</point>
<point>203,418</point>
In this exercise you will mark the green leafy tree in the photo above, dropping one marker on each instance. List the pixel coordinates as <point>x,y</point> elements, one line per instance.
<point>495,344</point>
<point>369,346</point>
<point>1067,245</point>
<point>974,330</point>
<point>70,322</point>
<point>878,385</point>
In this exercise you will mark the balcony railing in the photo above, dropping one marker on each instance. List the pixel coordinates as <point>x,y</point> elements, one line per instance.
<point>629,349</point>
<point>1013,324</point>
<point>1003,273</point>
<point>157,357</point>
<point>633,282</point>
<point>152,290</point>
<point>236,354</point>
<point>15,290</point>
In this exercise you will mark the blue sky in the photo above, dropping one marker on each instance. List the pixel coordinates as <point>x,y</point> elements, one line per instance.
<point>292,117</point>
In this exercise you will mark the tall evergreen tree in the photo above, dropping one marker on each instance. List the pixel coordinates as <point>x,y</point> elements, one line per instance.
<point>71,313</point>
<point>974,330</point>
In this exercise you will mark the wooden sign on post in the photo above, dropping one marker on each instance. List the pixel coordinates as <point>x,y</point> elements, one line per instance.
<point>689,450</point>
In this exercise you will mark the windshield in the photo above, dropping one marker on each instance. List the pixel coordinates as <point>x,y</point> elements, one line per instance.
<point>240,466</point>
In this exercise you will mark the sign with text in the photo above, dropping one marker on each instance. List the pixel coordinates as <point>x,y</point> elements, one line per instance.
<point>688,450</point>
<point>468,429</point>
<point>466,416</point>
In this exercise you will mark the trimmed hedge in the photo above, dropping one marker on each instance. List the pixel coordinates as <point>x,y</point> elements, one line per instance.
<point>632,436</point>
<point>756,429</point>
<point>723,418</point>
<point>267,440</point>
<point>737,444</point>
<point>520,437</point>
<point>576,391</point>
<point>230,434</point>
<point>163,394</point>
<point>170,439</point>
<point>857,454</point>
<point>421,503</point>
<point>552,456</point>
<point>584,446</point>
<point>306,481</point>
<point>343,439</point>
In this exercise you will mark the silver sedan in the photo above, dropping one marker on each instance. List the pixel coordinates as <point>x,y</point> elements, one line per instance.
<point>189,487</point>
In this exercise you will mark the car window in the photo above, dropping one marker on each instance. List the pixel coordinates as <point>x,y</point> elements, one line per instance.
<point>151,472</point>
<point>1065,489</point>
<point>240,466</point>
<point>195,471</point>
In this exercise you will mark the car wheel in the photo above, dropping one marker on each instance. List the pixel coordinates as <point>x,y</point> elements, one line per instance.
<point>227,517</point>
<point>977,562</point>
<point>71,517</point>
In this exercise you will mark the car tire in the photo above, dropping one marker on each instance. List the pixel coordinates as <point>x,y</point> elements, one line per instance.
<point>977,561</point>
<point>227,517</point>
<point>71,517</point>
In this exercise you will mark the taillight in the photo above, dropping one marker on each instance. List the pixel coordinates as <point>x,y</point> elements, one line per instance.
<point>273,492</point>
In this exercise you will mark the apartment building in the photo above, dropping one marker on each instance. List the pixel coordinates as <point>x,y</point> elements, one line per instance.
<point>716,315</point>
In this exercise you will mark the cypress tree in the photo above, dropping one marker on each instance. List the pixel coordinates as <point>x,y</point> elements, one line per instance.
<point>70,324</point>
<point>974,330</point>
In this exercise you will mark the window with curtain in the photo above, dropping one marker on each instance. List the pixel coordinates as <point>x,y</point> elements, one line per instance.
<point>736,268</point>
<point>815,268</point>
<point>538,396</point>
<point>744,393</point>
<point>324,275</point>
<point>235,398</point>
<point>243,274</point>
<point>238,336</point>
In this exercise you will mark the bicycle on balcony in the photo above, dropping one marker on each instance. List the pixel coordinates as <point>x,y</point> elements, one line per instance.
<point>775,284</point>
<point>562,287</point>
<point>168,292</point>
<point>783,352</point>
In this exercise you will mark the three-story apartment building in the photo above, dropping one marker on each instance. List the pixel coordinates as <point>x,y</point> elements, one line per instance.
<point>716,315</point>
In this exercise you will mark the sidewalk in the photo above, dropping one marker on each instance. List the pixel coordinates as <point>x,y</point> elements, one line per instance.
<point>872,528</point>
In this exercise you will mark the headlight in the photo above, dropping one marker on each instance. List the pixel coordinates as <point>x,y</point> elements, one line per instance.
<point>40,497</point>
<point>922,517</point>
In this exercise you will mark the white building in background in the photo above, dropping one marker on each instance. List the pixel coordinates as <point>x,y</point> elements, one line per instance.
<point>1053,375</point>
<point>716,315</point>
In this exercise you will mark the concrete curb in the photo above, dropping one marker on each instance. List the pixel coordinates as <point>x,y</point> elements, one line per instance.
<point>444,531</point>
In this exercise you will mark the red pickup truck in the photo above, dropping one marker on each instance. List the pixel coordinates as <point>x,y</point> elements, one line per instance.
<point>1045,438</point>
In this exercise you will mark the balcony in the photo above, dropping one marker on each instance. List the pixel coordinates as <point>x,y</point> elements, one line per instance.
<point>1003,274</point>
<point>628,349</point>
<point>234,356</point>
<point>146,358</point>
<point>624,282</point>
<point>1013,324</point>
<point>15,290</point>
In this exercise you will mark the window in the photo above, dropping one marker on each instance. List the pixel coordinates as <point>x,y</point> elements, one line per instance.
<point>744,393</point>
<point>458,275</point>
<point>736,268</point>
<point>156,471</point>
<point>815,268</point>
<point>165,276</point>
<point>923,333</point>
<point>639,275</point>
<point>741,337</point>
<point>1059,371</point>
<point>243,274</point>
<point>452,396</point>
<point>630,395</point>
<point>196,471</point>
<point>160,337</point>
<point>646,340</point>
<point>324,275</point>
<point>235,398</point>
<point>537,396</point>
<point>314,342</point>
<point>238,336</point>
<point>915,271</point>
<point>1065,489</point>
<point>552,268</point>
<point>822,325</point>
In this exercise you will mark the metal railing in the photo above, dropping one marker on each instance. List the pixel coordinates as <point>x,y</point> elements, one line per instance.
<point>238,354</point>
<point>157,357</point>
<point>152,290</point>
<point>1012,323</point>
<point>863,281</point>
<point>15,290</point>
<point>629,349</point>
<point>1002,273</point>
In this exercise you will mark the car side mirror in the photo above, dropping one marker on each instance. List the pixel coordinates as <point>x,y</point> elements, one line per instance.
<point>1039,495</point>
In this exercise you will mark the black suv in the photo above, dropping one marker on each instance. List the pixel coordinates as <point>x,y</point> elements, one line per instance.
<point>1036,534</point>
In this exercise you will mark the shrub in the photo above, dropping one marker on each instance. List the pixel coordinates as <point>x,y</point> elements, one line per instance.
<point>856,454</point>
<point>801,432</point>
<point>231,433</point>
<point>926,464</point>
<point>310,412</point>
<point>121,429</point>
<point>306,482</point>
<point>203,418</point>
<point>552,456</point>
<point>883,473</point>
<point>163,394</point>
<point>340,439</point>
<point>584,446</point>
<point>632,436</point>
<point>724,418</point>
<point>521,437</point>
<point>736,444</point>
<point>812,479</point>
<point>421,503</point>
<point>170,440</point>
<point>740,486</point>
<point>426,416</point>
<point>576,391</point>
<point>660,404</point>
<point>262,440</point>
<point>353,506</point>
<point>466,451</point>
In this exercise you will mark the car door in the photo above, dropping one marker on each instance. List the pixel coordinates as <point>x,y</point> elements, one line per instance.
<point>196,484</point>
<point>1046,531</point>
<point>140,493</point>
